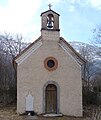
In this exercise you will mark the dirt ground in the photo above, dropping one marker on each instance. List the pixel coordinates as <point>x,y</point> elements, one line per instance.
<point>9,113</point>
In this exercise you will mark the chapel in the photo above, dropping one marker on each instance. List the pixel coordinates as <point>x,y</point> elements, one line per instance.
<point>49,79</point>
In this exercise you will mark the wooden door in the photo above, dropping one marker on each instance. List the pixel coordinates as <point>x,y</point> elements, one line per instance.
<point>51,99</point>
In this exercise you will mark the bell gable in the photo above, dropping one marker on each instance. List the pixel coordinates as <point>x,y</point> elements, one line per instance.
<point>50,20</point>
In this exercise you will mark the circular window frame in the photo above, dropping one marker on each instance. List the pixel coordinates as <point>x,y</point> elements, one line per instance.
<point>55,63</point>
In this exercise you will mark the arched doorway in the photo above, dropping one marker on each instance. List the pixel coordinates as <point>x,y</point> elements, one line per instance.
<point>51,99</point>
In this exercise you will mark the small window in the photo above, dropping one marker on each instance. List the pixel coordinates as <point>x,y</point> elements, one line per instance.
<point>50,63</point>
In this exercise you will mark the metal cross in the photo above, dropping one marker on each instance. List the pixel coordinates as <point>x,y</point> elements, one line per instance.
<point>50,6</point>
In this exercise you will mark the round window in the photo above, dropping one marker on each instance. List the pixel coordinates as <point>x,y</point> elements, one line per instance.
<point>50,63</point>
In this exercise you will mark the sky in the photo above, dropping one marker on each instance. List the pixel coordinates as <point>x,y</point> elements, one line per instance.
<point>77,17</point>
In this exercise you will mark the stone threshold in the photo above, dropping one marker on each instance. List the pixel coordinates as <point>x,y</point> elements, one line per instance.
<point>53,115</point>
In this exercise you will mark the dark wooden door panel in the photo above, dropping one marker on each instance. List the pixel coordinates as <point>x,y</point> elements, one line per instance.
<point>51,99</point>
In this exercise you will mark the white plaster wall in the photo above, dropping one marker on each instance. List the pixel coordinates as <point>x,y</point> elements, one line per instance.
<point>32,75</point>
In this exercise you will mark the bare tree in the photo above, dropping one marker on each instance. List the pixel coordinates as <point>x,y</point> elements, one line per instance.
<point>13,44</point>
<point>87,51</point>
<point>96,39</point>
<point>10,46</point>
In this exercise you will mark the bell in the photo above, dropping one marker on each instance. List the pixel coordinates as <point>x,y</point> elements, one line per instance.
<point>49,24</point>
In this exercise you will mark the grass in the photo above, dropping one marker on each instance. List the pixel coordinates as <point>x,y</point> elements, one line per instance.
<point>9,113</point>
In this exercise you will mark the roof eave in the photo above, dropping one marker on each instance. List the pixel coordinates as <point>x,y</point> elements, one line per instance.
<point>82,60</point>
<point>49,11</point>
<point>25,50</point>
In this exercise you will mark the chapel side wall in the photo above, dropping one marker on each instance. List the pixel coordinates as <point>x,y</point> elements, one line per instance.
<point>20,94</point>
<point>32,76</point>
<point>27,82</point>
<point>71,101</point>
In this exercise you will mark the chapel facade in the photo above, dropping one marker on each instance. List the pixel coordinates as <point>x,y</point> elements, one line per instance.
<point>49,73</point>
